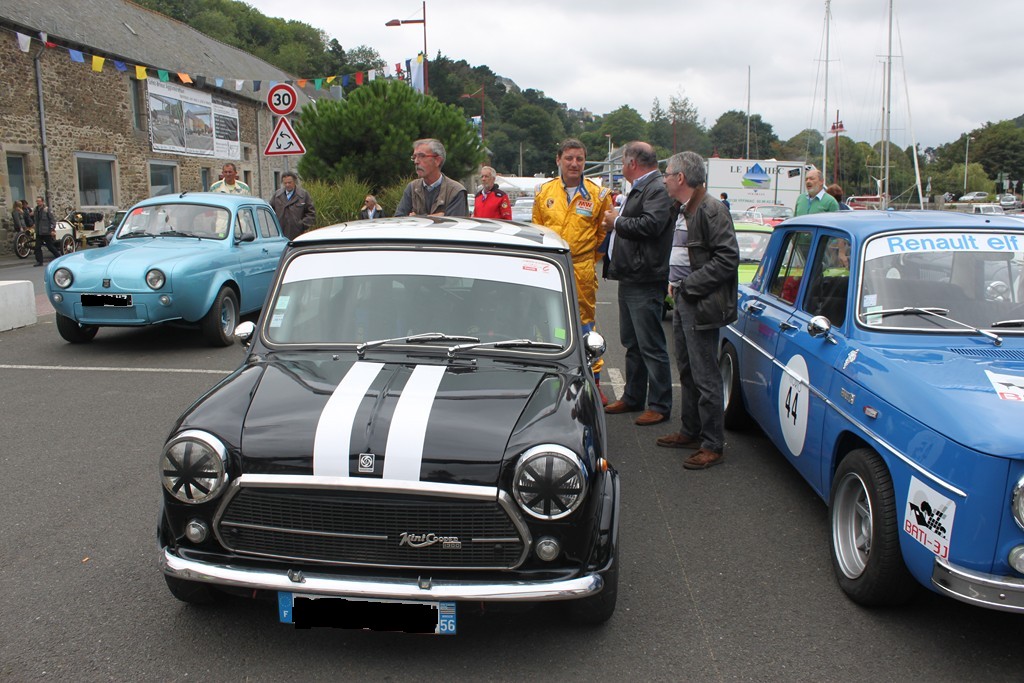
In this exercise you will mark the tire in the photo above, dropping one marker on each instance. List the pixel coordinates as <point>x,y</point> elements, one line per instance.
<point>73,332</point>
<point>191,592</point>
<point>67,245</point>
<point>864,537</point>
<point>219,323</point>
<point>597,609</point>
<point>736,417</point>
<point>23,245</point>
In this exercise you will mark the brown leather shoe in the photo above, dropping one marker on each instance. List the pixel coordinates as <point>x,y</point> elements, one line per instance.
<point>620,406</point>
<point>703,459</point>
<point>677,440</point>
<point>650,417</point>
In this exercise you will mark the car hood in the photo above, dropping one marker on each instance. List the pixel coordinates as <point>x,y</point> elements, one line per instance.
<point>133,257</point>
<point>971,392</point>
<point>415,422</point>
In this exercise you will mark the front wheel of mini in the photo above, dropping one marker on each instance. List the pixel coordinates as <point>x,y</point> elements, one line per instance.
<point>597,609</point>
<point>219,323</point>
<point>864,538</point>
<point>74,332</point>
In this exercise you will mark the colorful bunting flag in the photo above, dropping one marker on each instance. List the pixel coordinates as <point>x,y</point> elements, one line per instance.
<point>238,85</point>
<point>318,82</point>
<point>359,78</point>
<point>344,81</point>
<point>302,82</point>
<point>219,82</point>
<point>140,73</point>
<point>120,66</point>
<point>184,77</point>
<point>76,56</point>
<point>256,86</point>
<point>200,81</point>
<point>97,63</point>
<point>163,75</point>
<point>24,42</point>
<point>372,73</point>
<point>330,79</point>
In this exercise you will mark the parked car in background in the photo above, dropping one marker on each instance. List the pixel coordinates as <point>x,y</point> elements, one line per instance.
<point>522,209</point>
<point>773,214</point>
<point>1009,202</point>
<point>974,197</point>
<point>883,355</point>
<point>200,259</point>
<point>987,208</point>
<point>415,423</point>
<point>752,239</point>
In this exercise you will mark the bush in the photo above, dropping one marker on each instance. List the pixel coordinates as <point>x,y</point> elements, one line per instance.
<point>337,202</point>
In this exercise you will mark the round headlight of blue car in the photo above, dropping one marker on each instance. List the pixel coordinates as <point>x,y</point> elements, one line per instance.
<point>63,278</point>
<point>193,467</point>
<point>549,482</point>
<point>155,279</point>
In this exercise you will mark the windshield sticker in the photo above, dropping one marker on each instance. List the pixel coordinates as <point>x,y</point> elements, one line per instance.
<point>276,319</point>
<point>559,333</point>
<point>1008,387</point>
<point>282,303</point>
<point>929,517</point>
<point>943,241</point>
<point>872,319</point>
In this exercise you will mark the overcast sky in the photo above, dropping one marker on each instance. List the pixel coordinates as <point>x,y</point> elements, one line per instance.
<point>958,61</point>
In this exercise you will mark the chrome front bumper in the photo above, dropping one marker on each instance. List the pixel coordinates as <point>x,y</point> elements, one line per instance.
<point>986,590</point>
<point>423,589</point>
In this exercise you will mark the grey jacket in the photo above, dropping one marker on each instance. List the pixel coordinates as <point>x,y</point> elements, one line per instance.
<point>297,215</point>
<point>45,222</point>
<point>714,258</point>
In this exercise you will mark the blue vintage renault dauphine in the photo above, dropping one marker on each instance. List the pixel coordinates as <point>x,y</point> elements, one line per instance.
<point>883,354</point>
<point>198,259</point>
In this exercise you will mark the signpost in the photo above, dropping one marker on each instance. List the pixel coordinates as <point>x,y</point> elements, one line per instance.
<point>281,99</point>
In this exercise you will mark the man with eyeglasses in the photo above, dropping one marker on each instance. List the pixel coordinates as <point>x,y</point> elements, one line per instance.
<point>432,193</point>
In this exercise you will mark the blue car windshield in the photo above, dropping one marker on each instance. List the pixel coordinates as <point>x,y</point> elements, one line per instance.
<point>352,297</point>
<point>976,278</point>
<point>176,220</point>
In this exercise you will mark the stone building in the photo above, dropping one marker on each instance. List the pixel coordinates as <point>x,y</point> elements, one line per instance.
<point>101,141</point>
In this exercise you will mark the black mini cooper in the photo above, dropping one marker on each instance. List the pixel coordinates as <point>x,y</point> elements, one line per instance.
<point>415,427</point>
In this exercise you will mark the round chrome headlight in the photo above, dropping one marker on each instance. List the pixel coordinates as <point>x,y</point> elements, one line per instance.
<point>193,467</point>
<point>549,482</point>
<point>1017,503</point>
<point>155,279</point>
<point>63,278</point>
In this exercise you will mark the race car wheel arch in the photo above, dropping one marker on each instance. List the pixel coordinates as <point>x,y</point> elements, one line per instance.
<point>736,416</point>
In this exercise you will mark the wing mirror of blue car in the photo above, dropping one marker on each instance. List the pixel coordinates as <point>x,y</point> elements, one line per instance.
<point>246,237</point>
<point>595,345</point>
<point>819,326</point>
<point>244,332</point>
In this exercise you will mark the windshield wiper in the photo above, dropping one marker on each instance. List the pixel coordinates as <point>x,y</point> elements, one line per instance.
<point>506,344</point>
<point>134,233</point>
<point>1009,323</point>
<point>175,233</point>
<point>422,338</point>
<point>938,313</point>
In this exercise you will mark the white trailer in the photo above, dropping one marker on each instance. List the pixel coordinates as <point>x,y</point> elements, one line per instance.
<point>751,181</point>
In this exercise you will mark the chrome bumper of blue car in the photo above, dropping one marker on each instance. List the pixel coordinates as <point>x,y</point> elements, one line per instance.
<point>986,590</point>
<point>424,589</point>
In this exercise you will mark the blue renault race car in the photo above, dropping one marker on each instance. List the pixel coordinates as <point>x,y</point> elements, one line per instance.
<point>198,259</point>
<point>883,354</point>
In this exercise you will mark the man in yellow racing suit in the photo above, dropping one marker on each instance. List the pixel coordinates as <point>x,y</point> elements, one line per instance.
<point>573,207</point>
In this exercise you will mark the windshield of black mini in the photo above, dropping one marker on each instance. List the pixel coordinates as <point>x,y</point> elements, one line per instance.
<point>976,277</point>
<point>351,297</point>
<point>177,220</point>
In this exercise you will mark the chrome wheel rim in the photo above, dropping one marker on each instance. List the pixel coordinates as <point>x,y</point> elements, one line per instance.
<point>852,528</point>
<point>228,316</point>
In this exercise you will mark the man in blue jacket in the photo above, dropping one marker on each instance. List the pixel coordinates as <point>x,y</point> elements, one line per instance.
<point>637,257</point>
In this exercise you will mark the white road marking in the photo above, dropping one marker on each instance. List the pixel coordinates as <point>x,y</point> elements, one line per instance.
<point>618,382</point>
<point>77,368</point>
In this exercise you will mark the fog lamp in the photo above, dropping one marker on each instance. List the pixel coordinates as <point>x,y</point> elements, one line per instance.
<point>1017,558</point>
<point>58,298</point>
<point>547,548</point>
<point>196,531</point>
<point>165,300</point>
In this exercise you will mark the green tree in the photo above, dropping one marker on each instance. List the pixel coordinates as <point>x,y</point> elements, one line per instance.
<point>729,136</point>
<point>370,134</point>
<point>624,125</point>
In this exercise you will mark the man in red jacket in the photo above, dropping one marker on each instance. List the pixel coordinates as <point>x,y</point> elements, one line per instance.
<point>491,202</point>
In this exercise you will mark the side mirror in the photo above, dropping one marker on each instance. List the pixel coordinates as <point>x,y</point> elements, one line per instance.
<point>246,237</point>
<point>819,326</point>
<point>595,345</point>
<point>244,332</point>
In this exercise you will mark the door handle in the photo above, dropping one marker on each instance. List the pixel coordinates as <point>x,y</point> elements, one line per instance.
<point>785,326</point>
<point>755,307</point>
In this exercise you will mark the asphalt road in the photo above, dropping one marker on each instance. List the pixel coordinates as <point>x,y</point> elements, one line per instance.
<point>725,572</point>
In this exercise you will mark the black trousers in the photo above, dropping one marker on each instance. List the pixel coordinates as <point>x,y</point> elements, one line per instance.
<point>50,244</point>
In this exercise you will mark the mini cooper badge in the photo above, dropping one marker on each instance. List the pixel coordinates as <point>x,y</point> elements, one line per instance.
<point>427,540</point>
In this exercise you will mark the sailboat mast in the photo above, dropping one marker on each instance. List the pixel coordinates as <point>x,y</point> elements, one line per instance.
<point>824,118</point>
<point>748,113</point>
<point>887,119</point>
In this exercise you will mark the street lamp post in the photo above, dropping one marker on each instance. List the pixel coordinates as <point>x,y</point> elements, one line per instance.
<point>399,22</point>
<point>479,93</point>
<point>967,152</point>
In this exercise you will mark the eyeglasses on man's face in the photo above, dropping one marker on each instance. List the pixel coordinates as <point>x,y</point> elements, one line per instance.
<point>420,156</point>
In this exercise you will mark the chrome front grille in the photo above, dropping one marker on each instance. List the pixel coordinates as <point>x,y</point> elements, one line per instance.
<point>349,525</point>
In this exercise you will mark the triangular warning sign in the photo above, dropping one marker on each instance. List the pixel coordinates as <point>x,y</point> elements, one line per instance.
<point>284,140</point>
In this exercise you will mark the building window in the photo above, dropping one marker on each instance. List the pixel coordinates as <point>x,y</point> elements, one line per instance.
<point>16,176</point>
<point>277,179</point>
<point>204,177</point>
<point>137,96</point>
<point>246,153</point>
<point>163,178</point>
<point>247,178</point>
<point>95,179</point>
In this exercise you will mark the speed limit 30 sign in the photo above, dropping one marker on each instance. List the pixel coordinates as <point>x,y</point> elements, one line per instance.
<point>281,99</point>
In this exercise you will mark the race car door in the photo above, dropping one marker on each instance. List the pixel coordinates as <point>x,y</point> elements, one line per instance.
<point>764,317</point>
<point>807,360</point>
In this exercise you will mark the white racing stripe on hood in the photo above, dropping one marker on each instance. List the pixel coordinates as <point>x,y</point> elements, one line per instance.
<point>404,451</point>
<point>332,443</point>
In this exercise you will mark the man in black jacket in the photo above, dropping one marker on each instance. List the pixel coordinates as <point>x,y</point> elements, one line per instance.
<point>637,257</point>
<point>703,278</point>
<point>45,227</point>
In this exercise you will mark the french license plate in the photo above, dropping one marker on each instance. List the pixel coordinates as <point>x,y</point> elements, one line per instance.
<point>106,299</point>
<point>307,611</point>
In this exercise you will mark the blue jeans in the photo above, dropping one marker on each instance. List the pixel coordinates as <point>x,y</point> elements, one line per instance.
<point>701,405</point>
<point>648,369</point>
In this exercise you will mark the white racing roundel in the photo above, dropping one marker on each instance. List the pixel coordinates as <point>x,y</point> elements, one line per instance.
<point>794,403</point>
